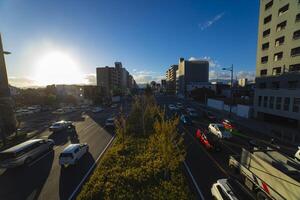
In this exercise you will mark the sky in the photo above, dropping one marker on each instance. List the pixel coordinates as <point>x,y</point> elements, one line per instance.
<point>64,41</point>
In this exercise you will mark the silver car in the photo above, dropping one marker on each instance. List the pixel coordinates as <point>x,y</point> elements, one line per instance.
<point>24,153</point>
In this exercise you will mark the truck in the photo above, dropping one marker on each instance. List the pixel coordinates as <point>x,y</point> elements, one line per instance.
<point>267,174</point>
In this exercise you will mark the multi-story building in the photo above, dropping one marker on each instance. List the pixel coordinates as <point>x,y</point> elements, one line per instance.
<point>277,93</point>
<point>191,73</point>
<point>171,79</point>
<point>242,82</point>
<point>114,78</point>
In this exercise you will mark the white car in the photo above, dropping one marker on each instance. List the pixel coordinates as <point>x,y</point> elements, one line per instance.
<point>110,122</point>
<point>297,154</point>
<point>61,125</point>
<point>219,130</point>
<point>72,154</point>
<point>172,107</point>
<point>97,109</point>
<point>222,190</point>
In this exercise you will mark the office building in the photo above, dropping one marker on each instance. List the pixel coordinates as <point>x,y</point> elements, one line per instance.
<point>171,79</point>
<point>242,82</point>
<point>191,73</point>
<point>277,93</point>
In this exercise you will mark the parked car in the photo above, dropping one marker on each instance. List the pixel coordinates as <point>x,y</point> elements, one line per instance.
<point>210,116</point>
<point>219,130</point>
<point>97,110</point>
<point>208,140</point>
<point>193,113</point>
<point>188,109</point>
<point>229,124</point>
<point>186,120</point>
<point>114,105</point>
<point>179,105</point>
<point>223,190</point>
<point>172,107</point>
<point>61,125</point>
<point>24,153</point>
<point>110,122</point>
<point>297,154</point>
<point>59,111</point>
<point>72,154</point>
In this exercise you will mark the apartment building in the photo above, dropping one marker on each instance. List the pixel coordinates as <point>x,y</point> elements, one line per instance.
<point>171,79</point>
<point>277,93</point>
<point>191,74</point>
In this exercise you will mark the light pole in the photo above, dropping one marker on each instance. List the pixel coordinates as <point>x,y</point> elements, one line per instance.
<point>231,85</point>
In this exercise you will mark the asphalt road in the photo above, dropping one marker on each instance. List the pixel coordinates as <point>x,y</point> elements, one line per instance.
<point>44,178</point>
<point>206,166</point>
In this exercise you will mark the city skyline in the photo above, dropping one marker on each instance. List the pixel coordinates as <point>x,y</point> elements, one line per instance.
<point>84,36</point>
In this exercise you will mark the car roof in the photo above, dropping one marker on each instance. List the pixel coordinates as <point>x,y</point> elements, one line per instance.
<point>70,148</point>
<point>21,146</point>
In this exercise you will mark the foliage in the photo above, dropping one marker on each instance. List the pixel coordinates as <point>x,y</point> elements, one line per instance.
<point>141,166</point>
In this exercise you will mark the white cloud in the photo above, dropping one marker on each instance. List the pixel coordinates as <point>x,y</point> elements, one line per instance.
<point>225,75</point>
<point>143,76</point>
<point>212,62</point>
<point>250,75</point>
<point>21,82</point>
<point>210,22</point>
<point>90,79</point>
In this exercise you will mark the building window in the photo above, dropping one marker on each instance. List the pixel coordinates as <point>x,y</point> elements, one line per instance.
<point>281,26</point>
<point>265,46</point>
<point>264,59</point>
<point>283,10</point>
<point>294,68</point>
<point>295,52</point>
<point>263,72</point>
<point>265,101</point>
<point>269,5</point>
<point>279,41</point>
<point>275,85</point>
<point>292,84</point>
<point>296,35</point>
<point>266,32</point>
<point>278,103</point>
<point>259,101</point>
<point>271,102</point>
<point>262,85</point>
<point>286,104</point>
<point>267,19</point>
<point>276,71</point>
<point>297,18</point>
<point>278,56</point>
<point>296,105</point>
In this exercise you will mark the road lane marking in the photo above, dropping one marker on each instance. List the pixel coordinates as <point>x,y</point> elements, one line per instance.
<point>194,181</point>
<point>90,170</point>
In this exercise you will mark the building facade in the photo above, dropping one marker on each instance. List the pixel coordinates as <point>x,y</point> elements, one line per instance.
<point>277,84</point>
<point>171,79</point>
<point>190,73</point>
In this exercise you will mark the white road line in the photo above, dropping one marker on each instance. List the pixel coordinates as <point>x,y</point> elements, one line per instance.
<point>194,181</point>
<point>89,171</point>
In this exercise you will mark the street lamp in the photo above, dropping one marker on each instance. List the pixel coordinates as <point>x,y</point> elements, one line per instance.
<point>231,84</point>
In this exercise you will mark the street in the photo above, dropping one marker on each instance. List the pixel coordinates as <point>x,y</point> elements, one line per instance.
<point>44,178</point>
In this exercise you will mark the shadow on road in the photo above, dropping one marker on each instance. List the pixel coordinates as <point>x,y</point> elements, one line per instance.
<point>62,137</point>
<point>71,176</point>
<point>26,182</point>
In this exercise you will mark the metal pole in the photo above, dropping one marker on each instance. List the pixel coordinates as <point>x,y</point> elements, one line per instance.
<point>231,88</point>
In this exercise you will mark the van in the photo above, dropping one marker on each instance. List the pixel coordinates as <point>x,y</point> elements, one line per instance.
<point>24,153</point>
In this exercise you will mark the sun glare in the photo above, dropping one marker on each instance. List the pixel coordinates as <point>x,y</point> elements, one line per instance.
<point>57,67</point>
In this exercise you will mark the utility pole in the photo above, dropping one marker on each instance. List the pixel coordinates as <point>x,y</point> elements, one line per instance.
<point>231,87</point>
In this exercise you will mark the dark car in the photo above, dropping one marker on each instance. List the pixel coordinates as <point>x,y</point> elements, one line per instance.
<point>209,140</point>
<point>186,120</point>
<point>210,116</point>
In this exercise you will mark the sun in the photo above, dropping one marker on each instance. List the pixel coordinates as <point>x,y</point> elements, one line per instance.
<point>57,67</point>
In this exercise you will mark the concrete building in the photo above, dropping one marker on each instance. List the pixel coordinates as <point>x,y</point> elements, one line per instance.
<point>277,93</point>
<point>191,72</point>
<point>242,82</point>
<point>171,79</point>
<point>115,78</point>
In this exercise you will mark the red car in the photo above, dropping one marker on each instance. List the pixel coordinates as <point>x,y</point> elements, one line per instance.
<point>228,124</point>
<point>209,140</point>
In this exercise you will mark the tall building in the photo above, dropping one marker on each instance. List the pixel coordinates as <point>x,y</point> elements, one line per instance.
<point>191,73</point>
<point>171,79</point>
<point>277,93</point>
<point>114,78</point>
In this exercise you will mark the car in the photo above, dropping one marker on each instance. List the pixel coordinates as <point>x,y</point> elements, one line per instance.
<point>59,111</point>
<point>229,124</point>
<point>24,153</point>
<point>211,117</point>
<point>219,130</point>
<point>186,120</point>
<point>72,154</point>
<point>61,125</point>
<point>97,109</point>
<point>223,190</point>
<point>114,105</point>
<point>188,109</point>
<point>179,105</point>
<point>172,107</point>
<point>297,154</point>
<point>110,122</point>
<point>192,113</point>
<point>208,140</point>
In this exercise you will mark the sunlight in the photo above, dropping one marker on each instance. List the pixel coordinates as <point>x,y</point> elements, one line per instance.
<point>57,67</point>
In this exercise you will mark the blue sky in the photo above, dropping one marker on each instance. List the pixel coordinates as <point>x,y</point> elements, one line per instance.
<point>146,36</point>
